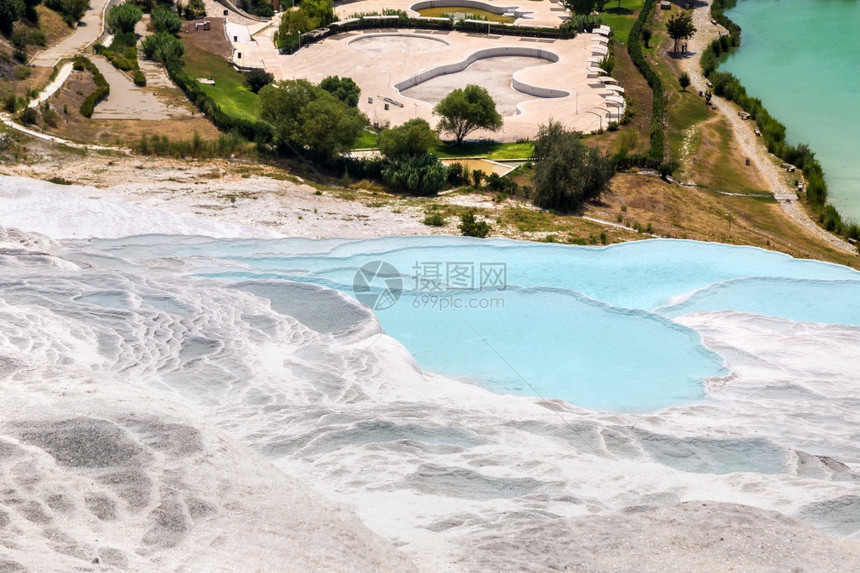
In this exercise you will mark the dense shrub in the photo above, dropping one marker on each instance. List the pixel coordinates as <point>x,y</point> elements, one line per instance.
<point>71,10</point>
<point>471,227</point>
<point>10,104</point>
<point>163,47</point>
<point>344,89</point>
<point>416,174</point>
<point>566,171</point>
<point>307,119</point>
<point>164,20</point>
<point>10,12</point>
<point>28,116</point>
<point>261,8</point>
<point>434,219</point>
<point>102,88</point>
<point>257,78</point>
<point>634,48</point>
<point>415,137</point>
<point>122,18</point>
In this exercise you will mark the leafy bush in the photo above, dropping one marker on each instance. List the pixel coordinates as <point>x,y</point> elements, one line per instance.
<point>257,7</point>
<point>51,117</point>
<point>164,20</point>
<point>193,9</point>
<point>416,174</point>
<point>102,88</point>
<point>567,172</point>
<point>471,227</point>
<point>22,72</point>
<point>122,18</point>
<point>163,47</point>
<point>434,219</point>
<point>415,137</point>
<point>28,116</point>
<point>71,10</point>
<point>344,89</point>
<point>10,104</point>
<point>634,48</point>
<point>139,78</point>
<point>10,12</point>
<point>257,79</point>
<point>306,117</point>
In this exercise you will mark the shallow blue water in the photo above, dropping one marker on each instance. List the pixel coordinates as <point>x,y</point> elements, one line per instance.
<point>588,325</point>
<point>802,59</point>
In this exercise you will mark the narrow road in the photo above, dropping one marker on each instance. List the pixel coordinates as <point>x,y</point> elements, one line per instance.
<point>88,31</point>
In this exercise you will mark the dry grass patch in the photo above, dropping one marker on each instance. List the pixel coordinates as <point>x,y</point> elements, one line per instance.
<point>704,215</point>
<point>73,126</point>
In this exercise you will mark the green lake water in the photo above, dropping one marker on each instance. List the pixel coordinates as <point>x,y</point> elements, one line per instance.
<point>802,59</point>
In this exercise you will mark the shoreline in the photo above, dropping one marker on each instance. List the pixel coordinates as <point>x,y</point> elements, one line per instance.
<point>752,145</point>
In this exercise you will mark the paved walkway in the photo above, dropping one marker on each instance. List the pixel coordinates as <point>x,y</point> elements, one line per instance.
<point>88,31</point>
<point>752,146</point>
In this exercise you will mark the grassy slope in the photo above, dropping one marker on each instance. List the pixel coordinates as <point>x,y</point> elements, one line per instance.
<point>620,16</point>
<point>229,90</point>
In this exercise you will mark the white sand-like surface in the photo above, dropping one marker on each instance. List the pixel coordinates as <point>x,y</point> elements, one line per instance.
<point>143,407</point>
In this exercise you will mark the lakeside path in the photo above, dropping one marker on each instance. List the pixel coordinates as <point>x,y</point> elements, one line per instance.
<point>751,146</point>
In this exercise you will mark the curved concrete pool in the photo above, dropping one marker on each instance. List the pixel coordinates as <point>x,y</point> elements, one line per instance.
<point>493,68</point>
<point>381,45</point>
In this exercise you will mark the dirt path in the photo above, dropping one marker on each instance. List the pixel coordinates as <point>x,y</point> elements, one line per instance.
<point>751,146</point>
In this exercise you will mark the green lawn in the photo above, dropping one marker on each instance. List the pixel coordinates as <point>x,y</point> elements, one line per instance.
<point>620,16</point>
<point>229,91</point>
<point>488,149</point>
<point>365,141</point>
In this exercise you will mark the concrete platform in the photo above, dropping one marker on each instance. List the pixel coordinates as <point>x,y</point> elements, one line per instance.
<point>378,61</point>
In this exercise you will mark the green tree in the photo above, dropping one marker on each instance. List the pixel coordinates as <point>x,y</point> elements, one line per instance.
<point>566,171</point>
<point>412,138</point>
<point>30,10</point>
<point>162,47</point>
<point>10,12</point>
<point>680,27</point>
<point>466,110</point>
<point>122,18</point>
<point>344,89</point>
<point>320,12</point>
<point>164,20</point>
<point>75,10</point>
<point>583,6</point>
<point>194,9</point>
<point>305,116</point>
<point>646,36</point>
<point>257,78</point>
<point>684,80</point>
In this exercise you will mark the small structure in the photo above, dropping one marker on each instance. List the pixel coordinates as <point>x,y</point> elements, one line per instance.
<point>665,5</point>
